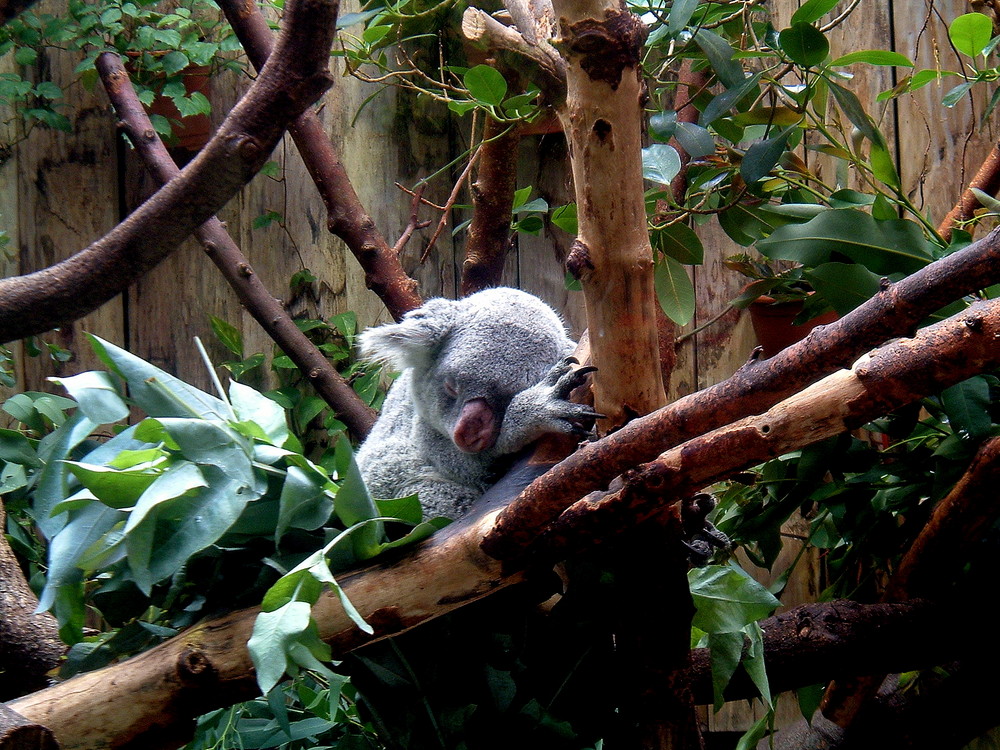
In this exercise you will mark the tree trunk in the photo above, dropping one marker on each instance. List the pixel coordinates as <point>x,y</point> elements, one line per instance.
<point>611,256</point>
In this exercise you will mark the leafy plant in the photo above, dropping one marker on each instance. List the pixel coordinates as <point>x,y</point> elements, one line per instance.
<point>159,41</point>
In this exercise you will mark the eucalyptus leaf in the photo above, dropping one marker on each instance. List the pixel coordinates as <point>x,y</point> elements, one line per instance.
<point>681,243</point>
<point>97,394</point>
<point>157,392</point>
<point>674,290</point>
<point>970,33</point>
<point>804,44</point>
<point>485,84</point>
<point>273,632</point>
<point>353,504</point>
<point>884,247</point>
<point>727,599</point>
<point>843,285</point>
<point>967,406</point>
<point>726,650</point>
<point>660,163</point>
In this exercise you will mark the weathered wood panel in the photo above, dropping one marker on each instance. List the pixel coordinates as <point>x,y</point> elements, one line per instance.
<point>67,187</point>
<point>939,149</point>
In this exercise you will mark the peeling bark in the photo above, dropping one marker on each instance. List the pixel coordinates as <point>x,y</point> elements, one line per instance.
<point>29,641</point>
<point>603,120</point>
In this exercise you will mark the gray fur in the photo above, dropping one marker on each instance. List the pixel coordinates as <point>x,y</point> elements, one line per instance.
<point>504,351</point>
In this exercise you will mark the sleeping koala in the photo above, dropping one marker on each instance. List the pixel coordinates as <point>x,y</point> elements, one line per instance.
<point>482,377</point>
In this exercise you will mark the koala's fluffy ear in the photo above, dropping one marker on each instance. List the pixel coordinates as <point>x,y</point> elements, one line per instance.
<point>413,341</point>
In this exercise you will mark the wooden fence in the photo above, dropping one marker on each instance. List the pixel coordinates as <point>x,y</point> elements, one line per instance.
<point>59,192</point>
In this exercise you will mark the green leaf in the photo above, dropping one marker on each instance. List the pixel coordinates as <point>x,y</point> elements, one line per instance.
<point>194,104</point>
<point>304,503</point>
<point>967,406</point>
<point>26,56</point>
<point>16,448</point>
<point>81,531</point>
<point>116,488</point>
<point>720,55</point>
<point>662,125</point>
<point>762,156</point>
<point>681,243</point>
<point>53,486</point>
<point>728,99</point>
<point>883,166</point>
<point>884,247</point>
<point>228,334</point>
<point>353,504</point>
<point>660,163</point>
<point>843,285</point>
<point>674,290</point>
<point>855,112</point>
<point>813,10</point>
<point>564,217</point>
<point>174,62</point>
<point>804,44</point>
<point>157,392</point>
<point>485,84</point>
<point>970,33</point>
<point>809,699</point>
<point>273,633</point>
<point>955,95</point>
<point>874,57</point>
<point>97,394</point>
<point>253,406</point>
<point>753,662</point>
<point>725,650</point>
<point>176,528</point>
<point>727,599</point>
<point>694,139</point>
<point>679,16</point>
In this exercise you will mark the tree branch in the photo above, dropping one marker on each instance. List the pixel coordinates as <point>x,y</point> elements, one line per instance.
<point>295,78</point>
<point>813,643</point>
<point>30,646</point>
<point>229,259</point>
<point>489,239</point>
<point>347,217</point>
<point>895,311</point>
<point>986,179</point>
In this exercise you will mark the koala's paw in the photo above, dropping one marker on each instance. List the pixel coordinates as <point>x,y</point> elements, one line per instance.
<point>562,415</point>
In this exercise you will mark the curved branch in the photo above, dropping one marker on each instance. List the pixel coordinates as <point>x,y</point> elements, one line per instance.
<point>895,311</point>
<point>229,259</point>
<point>347,217</point>
<point>986,179</point>
<point>295,78</point>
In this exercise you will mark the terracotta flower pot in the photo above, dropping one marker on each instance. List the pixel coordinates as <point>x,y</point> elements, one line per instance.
<point>194,131</point>
<point>772,323</point>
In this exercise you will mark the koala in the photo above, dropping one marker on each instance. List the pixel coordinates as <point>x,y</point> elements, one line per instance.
<point>481,378</point>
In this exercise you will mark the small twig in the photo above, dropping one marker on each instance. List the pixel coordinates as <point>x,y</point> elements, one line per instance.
<point>715,319</point>
<point>449,203</point>
<point>414,222</point>
<point>423,200</point>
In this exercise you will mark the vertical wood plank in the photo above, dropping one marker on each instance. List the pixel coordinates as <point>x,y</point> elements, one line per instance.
<point>68,197</point>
